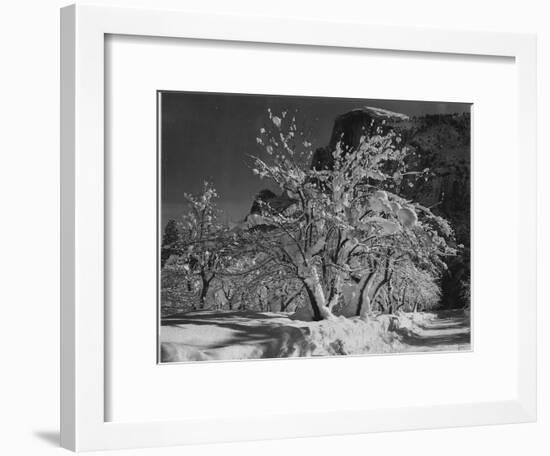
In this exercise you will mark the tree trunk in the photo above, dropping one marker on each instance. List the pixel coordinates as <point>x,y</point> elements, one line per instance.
<point>378,289</point>
<point>205,284</point>
<point>336,292</point>
<point>387,277</point>
<point>316,295</point>
<point>228,294</point>
<point>313,303</point>
<point>390,296</point>
<point>365,307</point>
<point>404,296</point>
<point>363,300</point>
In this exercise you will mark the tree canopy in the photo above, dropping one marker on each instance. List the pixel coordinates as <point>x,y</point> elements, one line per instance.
<point>346,241</point>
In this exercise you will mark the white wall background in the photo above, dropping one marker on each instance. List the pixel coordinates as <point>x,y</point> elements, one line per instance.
<point>29,228</point>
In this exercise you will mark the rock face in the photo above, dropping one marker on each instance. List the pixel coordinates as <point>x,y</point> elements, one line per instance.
<point>277,203</point>
<point>263,200</point>
<point>350,127</point>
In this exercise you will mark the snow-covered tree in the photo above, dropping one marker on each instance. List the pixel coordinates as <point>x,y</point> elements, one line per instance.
<point>201,248</point>
<point>347,228</point>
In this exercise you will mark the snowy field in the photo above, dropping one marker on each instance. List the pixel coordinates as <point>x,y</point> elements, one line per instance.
<point>231,335</point>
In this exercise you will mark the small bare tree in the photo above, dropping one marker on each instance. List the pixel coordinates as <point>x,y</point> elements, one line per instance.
<point>203,244</point>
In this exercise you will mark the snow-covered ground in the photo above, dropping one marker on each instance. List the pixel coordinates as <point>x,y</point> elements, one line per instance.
<point>227,335</point>
<point>442,331</point>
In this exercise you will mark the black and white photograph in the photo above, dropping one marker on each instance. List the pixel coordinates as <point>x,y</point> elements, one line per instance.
<point>296,226</point>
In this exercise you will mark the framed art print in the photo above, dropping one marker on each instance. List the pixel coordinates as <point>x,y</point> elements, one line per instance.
<point>281,227</point>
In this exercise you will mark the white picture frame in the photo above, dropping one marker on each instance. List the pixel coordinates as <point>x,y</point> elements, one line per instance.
<point>83,354</point>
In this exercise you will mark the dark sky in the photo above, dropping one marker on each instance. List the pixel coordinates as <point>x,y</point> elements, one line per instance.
<point>210,136</point>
